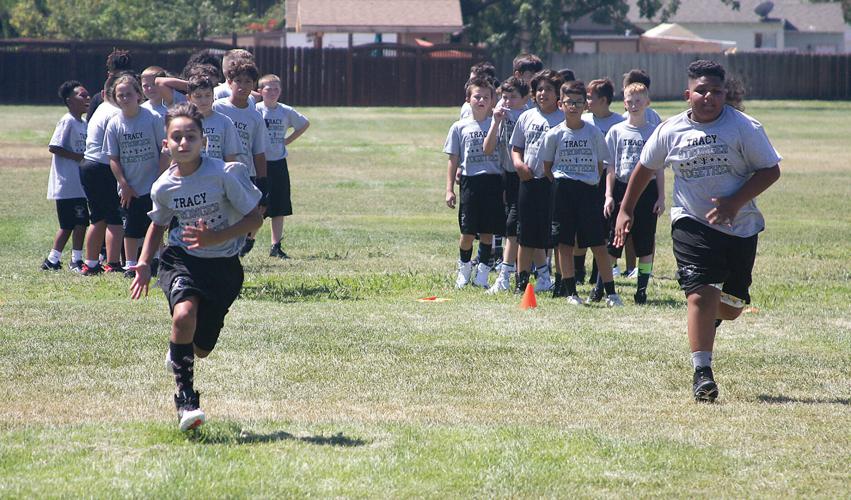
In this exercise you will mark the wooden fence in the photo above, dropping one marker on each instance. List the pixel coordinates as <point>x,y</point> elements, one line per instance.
<point>765,75</point>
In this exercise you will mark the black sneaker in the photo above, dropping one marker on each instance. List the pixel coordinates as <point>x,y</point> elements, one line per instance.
<point>640,297</point>
<point>48,266</point>
<point>130,274</point>
<point>76,266</point>
<point>580,276</point>
<point>705,388</point>
<point>597,294</point>
<point>249,244</point>
<point>559,287</point>
<point>91,271</point>
<point>112,267</point>
<point>189,413</point>
<point>277,252</point>
<point>522,280</point>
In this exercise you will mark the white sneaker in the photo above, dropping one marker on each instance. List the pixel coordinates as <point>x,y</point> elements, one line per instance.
<point>465,269</point>
<point>616,271</point>
<point>544,283</point>
<point>481,279</point>
<point>614,300</point>
<point>574,300</point>
<point>633,274</point>
<point>502,283</point>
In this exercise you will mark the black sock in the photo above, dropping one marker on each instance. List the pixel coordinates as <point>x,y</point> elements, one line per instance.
<point>717,323</point>
<point>594,270</point>
<point>183,362</point>
<point>557,277</point>
<point>465,255</point>
<point>643,279</point>
<point>568,286</point>
<point>485,252</point>
<point>579,264</point>
<point>609,286</point>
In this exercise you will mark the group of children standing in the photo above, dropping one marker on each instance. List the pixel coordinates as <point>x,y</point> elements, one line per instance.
<point>558,172</point>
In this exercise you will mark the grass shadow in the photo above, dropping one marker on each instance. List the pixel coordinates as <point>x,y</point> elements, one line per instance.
<point>780,400</point>
<point>233,434</point>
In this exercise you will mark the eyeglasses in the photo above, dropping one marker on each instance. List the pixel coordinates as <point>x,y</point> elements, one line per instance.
<point>570,102</point>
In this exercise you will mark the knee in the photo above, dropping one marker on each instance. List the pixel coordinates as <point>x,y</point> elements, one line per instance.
<point>184,320</point>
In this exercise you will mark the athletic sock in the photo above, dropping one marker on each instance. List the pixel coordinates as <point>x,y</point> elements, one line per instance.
<point>579,264</point>
<point>54,256</point>
<point>91,263</point>
<point>609,286</point>
<point>131,263</point>
<point>644,271</point>
<point>568,286</point>
<point>485,253</point>
<point>76,255</point>
<point>183,362</point>
<point>594,272</point>
<point>507,268</point>
<point>465,255</point>
<point>701,359</point>
<point>717,323</point>
<point>557,278</point>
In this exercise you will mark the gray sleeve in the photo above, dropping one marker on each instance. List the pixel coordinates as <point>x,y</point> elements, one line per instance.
<point>260,139</point>
<point>242,194</point>
<point>548,151</point>
<point>296,119</point>
<point>757,149</point>
<point>452,146</point>
<point>161,214</point>
<point>518,139</point>
<point>231,145</point>
<point>62,136</point>
<point>612,146</point>
<point>159,131</point>
<point>600,147</point>
<point>110,140</point>
<point>655,150</point>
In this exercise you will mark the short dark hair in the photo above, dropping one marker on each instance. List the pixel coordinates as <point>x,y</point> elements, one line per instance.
<point>603,87</point>
<point>548,76</point>
<point>514,84</point>
<point>636,75</point>
<point>200,82</point>
<point>576,87</point>
<point>478,81</point>
<point>66,90</point>
<point>207,57</point>
<point>527,62</point>
<point>186,110</point>
<point>702,67</point>
<point>118,60</point>
<point>207,70</point>
<point>243,67</point>
<point>567,74</point>
<point>483,68</point>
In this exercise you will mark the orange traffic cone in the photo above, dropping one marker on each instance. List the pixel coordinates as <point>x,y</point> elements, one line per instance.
<point>529,301</point>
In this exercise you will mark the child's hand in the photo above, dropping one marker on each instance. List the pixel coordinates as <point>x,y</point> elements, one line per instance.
<point>724,212</point>
<point>127,195</point>
<point>141,281</point>
<point>199,235</point>
<point>524,173</point>
<point>659,207</point>
<point>499,111</point>
<point>622,228</point>
<point>608,206</point>
<point>450,199</point>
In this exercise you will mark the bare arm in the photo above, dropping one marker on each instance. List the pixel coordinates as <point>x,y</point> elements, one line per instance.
<point>64,153</point>
<point>659,206</point>
<point>523,170</point>
<point>452,170</point>
<point>727,207</point>
<point>127,192</point>
<point>200,235</point>
<point>168,82</point>
<point>231,158</point>
<point>296,134</point>
<point>609,204</point>
<point>143,268</point>
<point>548,170</point>
<point>260,164</point>
<point>492,139</point>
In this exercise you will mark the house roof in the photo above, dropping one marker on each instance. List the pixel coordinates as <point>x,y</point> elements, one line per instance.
<point>799,15</point>
<point>380,16</point>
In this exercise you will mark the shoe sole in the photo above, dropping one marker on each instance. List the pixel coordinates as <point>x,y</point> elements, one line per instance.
<point>706,394</point>
<point>193,420</point>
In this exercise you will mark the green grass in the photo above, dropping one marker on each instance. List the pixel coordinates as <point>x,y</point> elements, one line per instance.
<point>331,380</point>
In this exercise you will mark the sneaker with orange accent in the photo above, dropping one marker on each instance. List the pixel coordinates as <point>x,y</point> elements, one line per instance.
<point>189,413</point>
<point>112,267</point>
<point>91,271</point>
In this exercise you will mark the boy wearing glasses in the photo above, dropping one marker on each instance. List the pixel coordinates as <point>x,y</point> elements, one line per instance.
<point>573,155</point>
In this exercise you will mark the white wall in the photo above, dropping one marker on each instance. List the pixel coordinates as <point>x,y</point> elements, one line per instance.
<point>336,40</point>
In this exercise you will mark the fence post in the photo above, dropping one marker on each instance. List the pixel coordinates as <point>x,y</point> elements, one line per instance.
<point>418,77</point>
<point>349,76</point>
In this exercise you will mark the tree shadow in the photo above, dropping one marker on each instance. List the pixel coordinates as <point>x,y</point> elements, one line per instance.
<point>234,435</point>
<point>780,400</point>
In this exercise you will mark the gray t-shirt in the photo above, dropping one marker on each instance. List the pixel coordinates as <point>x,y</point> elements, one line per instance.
<point>576,153</point>
<point>278,120</point>
<point>711,160</point>
<point>218,192</point>
<point>222,139</point>
<point>650,115</point>
<point>95,130</point>
<point>222,91</point>
<point>529,133</point>
<point>158,108</point>
<point>466,111</point>
<point>604,124</point>
<point>249,126</point>
<point>136,143</point>
<point>624,142</point>
<point>506,128</point>
<point>64,180</point>
<point>466,140</point>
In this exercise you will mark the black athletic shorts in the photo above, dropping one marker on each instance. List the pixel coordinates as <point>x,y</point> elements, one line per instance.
<point>278,175</point>
<point>72,212</point>
<point>512,191</point>
<point>578,214</point>
<point>706,256</point>
<point>643,232</point>
<point>101,191</point>
<point>216,281</point>
<point>481,209</point>
<point>135,217</point>
<point>534,213</point>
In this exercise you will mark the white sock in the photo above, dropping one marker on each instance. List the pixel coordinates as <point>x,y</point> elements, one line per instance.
<point>131,263</point>
<point>54,256</point>
<point>701,359</point>
<point>76,255</point>
<point>507,268</point>
<point>92,263</point>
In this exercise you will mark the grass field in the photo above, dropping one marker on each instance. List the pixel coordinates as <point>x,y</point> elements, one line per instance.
<point>330,379</point>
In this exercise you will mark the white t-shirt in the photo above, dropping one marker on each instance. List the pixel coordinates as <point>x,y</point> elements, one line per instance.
<point>220,193</point>
<point>95,130</point>
<point>136,142</point>
<point>466,141</point>
<point>278,120</point>
<point>222,139</point>
<point>711,160</point>
<point>604,124</point>
<point>64,180</point>
<point>576,153</point>
<point>650,115</point>
<point>624,142</point>
<point>529,135</point>
<point>249,126</point>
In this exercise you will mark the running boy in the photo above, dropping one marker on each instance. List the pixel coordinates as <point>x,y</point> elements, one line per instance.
<point>534,196</point>
<point>573,154</point>
<point>200,273</point>
<point>67,146</point>
<point>624,142</point>
<point>481,209</point>
<point>279,119</point>
<point>722,160</point>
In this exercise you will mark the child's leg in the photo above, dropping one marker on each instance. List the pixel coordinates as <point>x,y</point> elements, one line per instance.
<point>94,242</point>
<point>131,250</point>
<point>565,262</point>
<point>604,268</point>
<point>61,239</point>
<point>77,237</point>
<point>630,256</point>
<point>184,319</point>
<point>114,239</point>
<point>702,312</point>
<point>525,255</point>
<point>277,227</point>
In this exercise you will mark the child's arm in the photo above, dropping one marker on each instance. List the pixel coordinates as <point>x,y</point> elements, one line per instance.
<point>492,139</point>
<point>523,170</point>
<point>296,134</point>
<point>201,236</point>
<point>168,82</point>
<point>64,153</point>
<point>260,165</point>
<point>230,158</point>
<point>143,268</point>
<point>726,207</point>
<point>659,206</point>
<point>609,205</point>
<point>127,192</point>
<point>450,180</point>
<point>548,170</point>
